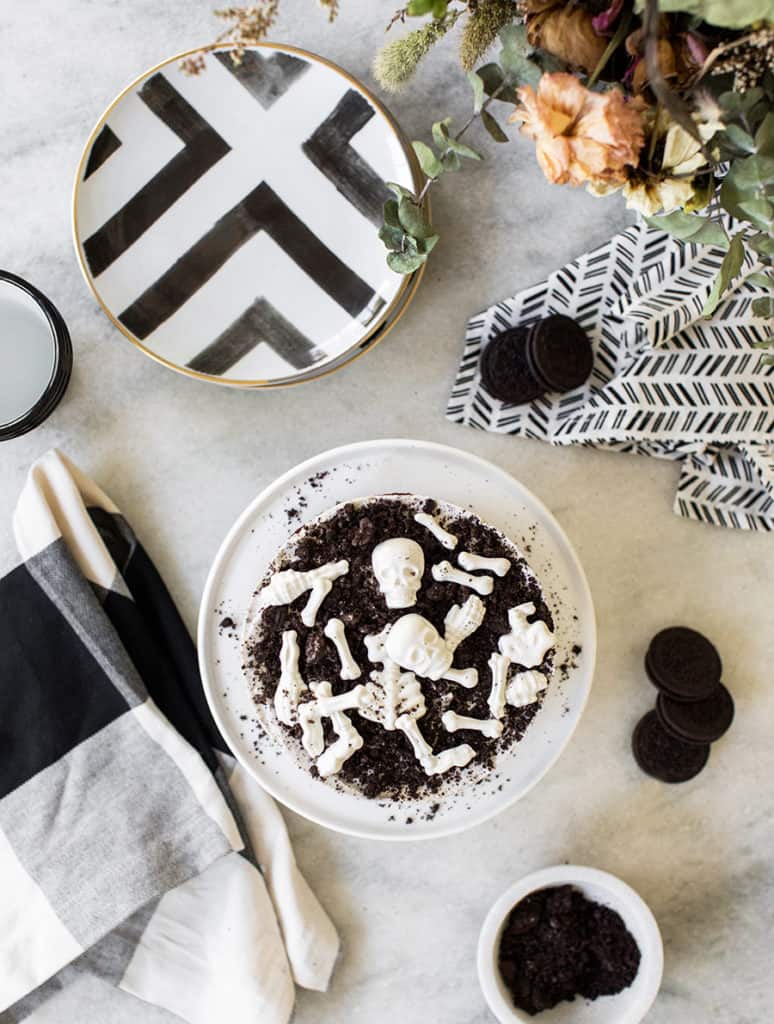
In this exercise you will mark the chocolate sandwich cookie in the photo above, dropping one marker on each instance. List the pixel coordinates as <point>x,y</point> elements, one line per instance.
<point>559,353</point>
<point>504,370</point>
<point>683,663</point>
<point>701,721</point>
<point>664,756</point>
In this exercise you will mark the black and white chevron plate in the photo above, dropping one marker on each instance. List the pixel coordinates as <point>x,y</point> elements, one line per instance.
<point>227,221</point>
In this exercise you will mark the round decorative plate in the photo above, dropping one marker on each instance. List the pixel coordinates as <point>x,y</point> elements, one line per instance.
<point>382,467</point>
<point>227,221</point>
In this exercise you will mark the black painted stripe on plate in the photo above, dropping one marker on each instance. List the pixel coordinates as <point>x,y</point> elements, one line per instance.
<point>261,210</point>
<point>330,151</point>
<point>203,148</point>
<point>260,323</point>
<point>266,79</point>
<point>104,146</point>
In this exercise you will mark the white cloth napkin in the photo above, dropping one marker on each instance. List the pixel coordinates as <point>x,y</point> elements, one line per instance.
<point>132,845</point>
<point>665,381</point>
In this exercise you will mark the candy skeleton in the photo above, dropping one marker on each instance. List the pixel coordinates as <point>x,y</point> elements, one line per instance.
<point>391,694</point>
<point>291,685</point>
<point>524,688</point>
<point>433,764</point>
<point>325,705</point>
<point>489,727</point>
<point>528,642</point>
<point>445,572</point>
<point>286,586</point>
<point>399,564</point>
<point>415,644</point>
<point>471,562</point>
<point>334,630</point>
<point>430,523</point>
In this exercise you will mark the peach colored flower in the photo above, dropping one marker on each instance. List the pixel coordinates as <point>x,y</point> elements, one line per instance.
<point>580,135</point>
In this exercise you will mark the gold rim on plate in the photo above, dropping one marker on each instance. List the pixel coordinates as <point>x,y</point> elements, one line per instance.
<point>403,296</point>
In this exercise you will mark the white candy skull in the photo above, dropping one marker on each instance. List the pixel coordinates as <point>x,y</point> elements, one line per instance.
<point>415,644</point>
<point>398,565</point>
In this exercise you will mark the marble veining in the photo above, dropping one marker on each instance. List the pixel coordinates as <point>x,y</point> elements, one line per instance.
<point>182,459</point>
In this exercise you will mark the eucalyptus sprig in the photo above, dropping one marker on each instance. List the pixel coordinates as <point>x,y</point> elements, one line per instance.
<point>407,232</point>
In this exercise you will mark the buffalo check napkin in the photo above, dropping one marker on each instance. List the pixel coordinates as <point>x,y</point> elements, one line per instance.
<point>665,381</point>
<point>131,844</point>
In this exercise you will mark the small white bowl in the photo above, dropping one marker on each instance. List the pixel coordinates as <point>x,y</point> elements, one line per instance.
<point>629,1006</point>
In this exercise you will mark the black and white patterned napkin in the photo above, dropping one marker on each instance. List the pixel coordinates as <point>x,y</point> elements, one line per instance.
<point>131,844</point>
<point>665,381</point>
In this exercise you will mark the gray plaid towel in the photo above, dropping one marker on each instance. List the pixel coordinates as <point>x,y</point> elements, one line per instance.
<point>665,381</point>
<point>131,844</point>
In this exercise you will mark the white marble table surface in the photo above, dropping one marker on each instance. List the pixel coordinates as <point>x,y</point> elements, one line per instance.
<point>183,458</point>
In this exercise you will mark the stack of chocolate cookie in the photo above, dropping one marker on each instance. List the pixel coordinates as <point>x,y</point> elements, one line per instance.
<point>525,362</point>
<point>693,709</point>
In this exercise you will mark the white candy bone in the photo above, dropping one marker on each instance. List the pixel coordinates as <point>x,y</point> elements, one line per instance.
<point>498,666</point>
<point>471,562</point>
<point>489,727</point>
<point>290,685</point>
<point>348,739</point>
<point>467,677</point>
<point>433,764</point>
<point>399,564</point>
<point>525,687</point>
<point>445,572</point>
<point>528,642</point>
<point>430,523</point>
<point>335,631</point>
<point>312,712</point>
<point>391,694</point>
<point>284,587</point>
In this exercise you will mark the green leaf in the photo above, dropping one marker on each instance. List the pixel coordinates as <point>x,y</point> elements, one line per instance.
<point>762,244</point>
<point>763,307</point>
<point>413,219</point>
<point>398,190</point>
<point>515,56</point>
<point>493,78</point>
<point>405,263</point>
<point>390,209</point>
<point>439,9</point>
<point>493,127</point>
<point>428,161</point>
<point>764,136</point>
<point>450,161</point>
<point>689,227</point>
<point>739,138</point>
<point>753,172</point>
<point>462,150</point>
<point>729,269</point>
<point>760,280</point>
<point>766,343</point>
<point>477,85</point>
<point>726,13</point>
<point>426,245</point>
<point>416,8</point>
<point>391,236</point>
<point>441,133</point>
<point>759,212</point>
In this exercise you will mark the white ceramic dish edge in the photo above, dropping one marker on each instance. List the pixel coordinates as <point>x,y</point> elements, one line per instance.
<point>629,1006</point>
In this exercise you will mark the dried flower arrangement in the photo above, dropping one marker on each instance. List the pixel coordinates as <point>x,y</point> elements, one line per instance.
<point>670,102</point>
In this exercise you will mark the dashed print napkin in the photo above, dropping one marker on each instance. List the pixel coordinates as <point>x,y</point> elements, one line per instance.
<point>666,382</point>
